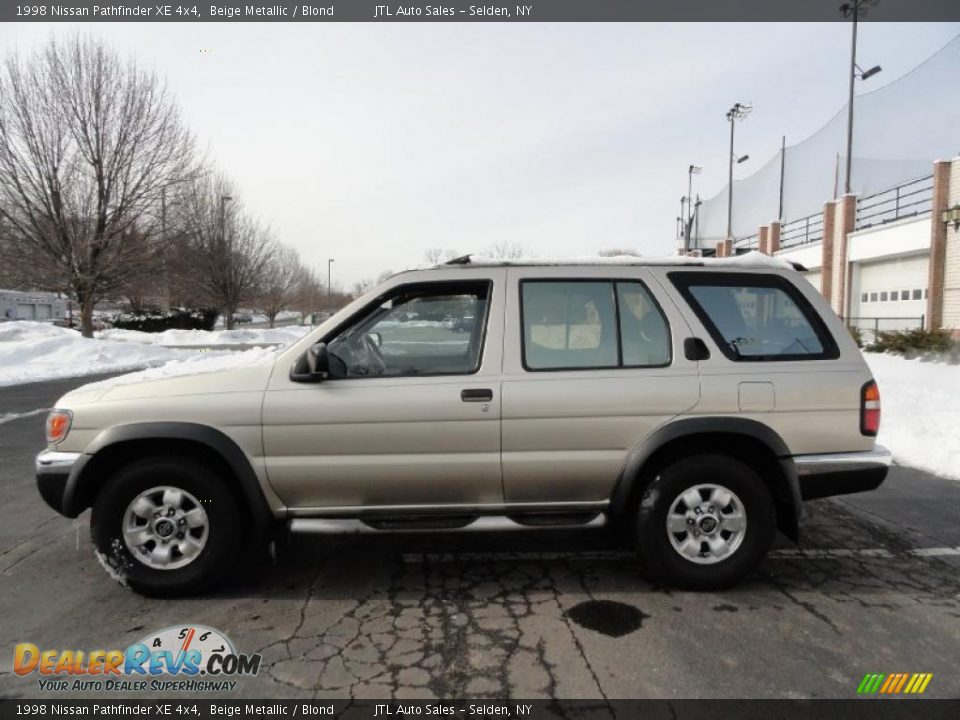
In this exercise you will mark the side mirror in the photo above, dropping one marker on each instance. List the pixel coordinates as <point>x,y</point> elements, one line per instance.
<point>376,337</point>
<point>312,366</point>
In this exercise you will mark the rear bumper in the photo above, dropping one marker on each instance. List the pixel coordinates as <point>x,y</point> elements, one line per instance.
<point>53,469</point>
<point>841,473</point>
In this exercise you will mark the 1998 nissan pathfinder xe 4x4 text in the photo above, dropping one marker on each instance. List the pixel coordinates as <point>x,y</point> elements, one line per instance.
<point>695,404</point>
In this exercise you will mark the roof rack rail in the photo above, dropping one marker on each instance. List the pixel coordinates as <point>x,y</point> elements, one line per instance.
<point>462,260</point>
<point>799,267</point>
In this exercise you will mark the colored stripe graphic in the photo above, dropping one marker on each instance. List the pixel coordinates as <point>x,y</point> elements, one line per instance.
<point>894,683</point>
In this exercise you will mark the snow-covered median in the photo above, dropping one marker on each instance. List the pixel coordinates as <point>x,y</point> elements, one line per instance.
<point>920,412</point>
<point>36,352</point>
<point>194,338</point>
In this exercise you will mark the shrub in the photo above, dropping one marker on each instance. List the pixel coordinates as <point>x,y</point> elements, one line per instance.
<point>912,342</point>
<point>856,334</point>
<point>176,319</point>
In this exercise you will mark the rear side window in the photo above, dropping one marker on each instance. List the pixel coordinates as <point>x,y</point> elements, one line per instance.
<point>756,317</point>
<point>573,325</point>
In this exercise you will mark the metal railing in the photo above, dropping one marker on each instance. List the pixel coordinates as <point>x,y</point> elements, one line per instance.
<point>871,326</point>
<point>911,199</point>
<point>801,232</point>
<point>750,242</point>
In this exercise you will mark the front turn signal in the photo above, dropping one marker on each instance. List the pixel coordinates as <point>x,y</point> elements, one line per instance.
<point>58,425</point>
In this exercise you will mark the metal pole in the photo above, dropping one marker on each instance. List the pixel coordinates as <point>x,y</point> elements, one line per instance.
<point>689,220</point>
<point>696,219</point>
<point>783,163</point>
<point>329,284</point>
<point>853,77</point>
<point>730,181</point>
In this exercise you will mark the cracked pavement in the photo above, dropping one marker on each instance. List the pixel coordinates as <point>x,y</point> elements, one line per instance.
<point>521,615</point>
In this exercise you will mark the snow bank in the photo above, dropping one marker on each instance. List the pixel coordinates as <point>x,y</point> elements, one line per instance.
<point>33,352</point>
<point>187,338</point>
<point>920,420</point>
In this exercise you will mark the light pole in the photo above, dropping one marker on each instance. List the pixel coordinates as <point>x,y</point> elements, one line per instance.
<point>738,112</point>
<point>329,285</point>
<point>225,258</point>
<point>691,171</point>
<point>854,10</point>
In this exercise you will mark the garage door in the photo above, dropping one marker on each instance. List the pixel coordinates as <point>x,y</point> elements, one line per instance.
<point>24,311</point>
<point>895,288</point>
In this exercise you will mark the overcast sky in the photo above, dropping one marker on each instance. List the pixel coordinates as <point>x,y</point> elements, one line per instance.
<point>370,143</point>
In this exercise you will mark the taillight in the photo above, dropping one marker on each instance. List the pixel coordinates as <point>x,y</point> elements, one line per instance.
<point>870,409</point>
<point>58,425</point>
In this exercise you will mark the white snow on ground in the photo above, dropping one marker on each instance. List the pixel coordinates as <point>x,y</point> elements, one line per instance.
<point>187,338</point>
<point>33,352</point>
<point>920,412</point>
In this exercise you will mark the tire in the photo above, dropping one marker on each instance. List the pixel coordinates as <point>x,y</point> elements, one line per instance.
<point>158,568</point>
<point>704,554</point>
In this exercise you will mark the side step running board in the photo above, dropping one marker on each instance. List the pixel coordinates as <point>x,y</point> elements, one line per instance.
<point>483,523</point>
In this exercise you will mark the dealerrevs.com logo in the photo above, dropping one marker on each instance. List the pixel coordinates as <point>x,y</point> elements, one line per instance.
<point>187,658</point>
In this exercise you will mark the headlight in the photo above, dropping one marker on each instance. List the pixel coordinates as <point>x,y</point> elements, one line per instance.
<point>58,425</point>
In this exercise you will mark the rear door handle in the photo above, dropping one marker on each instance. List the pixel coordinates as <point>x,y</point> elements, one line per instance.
<point>476,395</point>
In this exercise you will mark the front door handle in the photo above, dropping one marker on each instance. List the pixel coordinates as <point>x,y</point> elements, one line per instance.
<point>476,395</point>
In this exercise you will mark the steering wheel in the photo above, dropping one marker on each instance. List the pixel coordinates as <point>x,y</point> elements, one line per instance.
<point>378,363</point>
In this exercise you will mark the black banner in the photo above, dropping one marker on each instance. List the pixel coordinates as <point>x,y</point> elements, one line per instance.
<point>185,709</point>
<point>469,11</point>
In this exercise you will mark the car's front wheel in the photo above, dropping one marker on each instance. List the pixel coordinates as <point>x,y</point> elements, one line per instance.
<point>703,522</point>
<point>165,526</point>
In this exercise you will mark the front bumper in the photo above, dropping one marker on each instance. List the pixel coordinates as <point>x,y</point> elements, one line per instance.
<point>841,473</point>
<point>53,470</point>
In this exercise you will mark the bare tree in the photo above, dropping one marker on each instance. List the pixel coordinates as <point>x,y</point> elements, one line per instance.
<point>283,277</point>
<point>225,251</point>
<point>433,256</point>
<point>506,251</point>
<point>87,143</point>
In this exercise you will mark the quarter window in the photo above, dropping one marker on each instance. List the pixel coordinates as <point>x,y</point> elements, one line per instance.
<point>756,317</point>
<point>591,324</point>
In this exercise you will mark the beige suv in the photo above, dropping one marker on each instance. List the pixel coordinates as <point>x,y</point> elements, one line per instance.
<point>695,404</point>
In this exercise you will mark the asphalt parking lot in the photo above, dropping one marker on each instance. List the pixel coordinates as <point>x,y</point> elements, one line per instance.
<point>872,588</point>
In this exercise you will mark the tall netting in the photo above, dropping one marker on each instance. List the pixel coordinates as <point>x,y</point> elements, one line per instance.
<point>899,130</point>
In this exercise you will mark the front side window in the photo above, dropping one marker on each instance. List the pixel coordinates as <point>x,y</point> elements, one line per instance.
<point>434,329</point>
<point>570,325</point>
<point>756,317</point>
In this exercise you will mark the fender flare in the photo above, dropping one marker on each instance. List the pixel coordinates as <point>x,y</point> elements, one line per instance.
<point>219,443</point>
<point>686,427</point>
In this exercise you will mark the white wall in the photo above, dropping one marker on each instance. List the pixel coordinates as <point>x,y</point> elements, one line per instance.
<point>810,256</point>
<point>905,237</point>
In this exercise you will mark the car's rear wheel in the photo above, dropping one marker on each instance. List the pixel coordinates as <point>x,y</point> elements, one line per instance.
<point>703,522</point>
<point>166,526</point>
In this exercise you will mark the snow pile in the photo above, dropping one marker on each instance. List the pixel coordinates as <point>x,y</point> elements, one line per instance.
<point>33,352</point>
<point>193,338</point>
<point>920,412</point>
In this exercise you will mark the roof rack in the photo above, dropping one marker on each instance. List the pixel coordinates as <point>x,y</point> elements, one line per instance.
<point>462,260</point>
